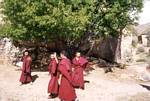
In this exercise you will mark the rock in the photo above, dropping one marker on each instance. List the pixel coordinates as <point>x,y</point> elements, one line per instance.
<point>111,49</point>
<point>145,76</point>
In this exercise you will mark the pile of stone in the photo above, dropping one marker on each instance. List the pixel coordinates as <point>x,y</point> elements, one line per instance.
<point>8,51</point>
<point>11,54</point>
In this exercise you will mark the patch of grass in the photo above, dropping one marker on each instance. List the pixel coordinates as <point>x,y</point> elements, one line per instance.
<point>148,55</point>
<point>134,43</point>
<point>122,66</point>
<point>141,60</point>
<point>140,50</point>
<point>137,97</point>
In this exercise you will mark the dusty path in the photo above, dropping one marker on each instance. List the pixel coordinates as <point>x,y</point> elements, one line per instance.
<point>117,86</point>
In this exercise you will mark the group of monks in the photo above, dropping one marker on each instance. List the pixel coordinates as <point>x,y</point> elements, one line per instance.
<point>65,75</point>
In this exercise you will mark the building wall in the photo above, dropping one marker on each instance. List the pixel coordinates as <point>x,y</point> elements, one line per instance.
<point>144,40</point>
<point>148,40</point>
<point>127,49</point>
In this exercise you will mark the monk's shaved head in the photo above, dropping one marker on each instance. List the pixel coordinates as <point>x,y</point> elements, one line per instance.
<point>26,52</point>
<point>63,53</point>
<point>78,54</point>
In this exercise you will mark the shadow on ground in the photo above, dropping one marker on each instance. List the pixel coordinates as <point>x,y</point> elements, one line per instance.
<point>145,86</point>
<point>34,77</point>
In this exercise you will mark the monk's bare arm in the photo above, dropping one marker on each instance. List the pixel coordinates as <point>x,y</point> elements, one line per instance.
<point>59,78</point>
<point>55,55</point>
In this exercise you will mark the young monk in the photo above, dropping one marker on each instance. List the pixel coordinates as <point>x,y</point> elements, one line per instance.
<point>66,90</point>
<point>53,83</point>
<point>79,64</point>
<point>26,68</point>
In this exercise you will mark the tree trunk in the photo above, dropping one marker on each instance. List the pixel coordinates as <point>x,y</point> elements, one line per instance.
<point>117,58</point>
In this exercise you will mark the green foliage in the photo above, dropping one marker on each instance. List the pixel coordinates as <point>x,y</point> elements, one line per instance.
<point>46,19</point>
<point>111,16</point>
<point>67,19</point>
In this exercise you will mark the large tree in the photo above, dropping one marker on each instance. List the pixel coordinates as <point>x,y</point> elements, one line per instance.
<point>68,20</point>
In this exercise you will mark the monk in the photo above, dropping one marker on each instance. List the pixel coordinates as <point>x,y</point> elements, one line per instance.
<point>79,64</point>
<point>66,90</point>
<point>53,83</point>
<point>26,68</point>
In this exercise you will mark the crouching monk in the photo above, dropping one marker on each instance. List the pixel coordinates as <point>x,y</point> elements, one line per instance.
<point>26,69</point>
<point>66,90</point>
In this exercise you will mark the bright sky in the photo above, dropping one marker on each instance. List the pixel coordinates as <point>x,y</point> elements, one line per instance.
<point>145,15</point>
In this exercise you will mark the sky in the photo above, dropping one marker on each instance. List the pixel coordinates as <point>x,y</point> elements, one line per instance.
<point>145,14</point>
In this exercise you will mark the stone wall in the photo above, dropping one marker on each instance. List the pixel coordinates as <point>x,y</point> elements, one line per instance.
<point>12,54</point>
<point>7,51</point>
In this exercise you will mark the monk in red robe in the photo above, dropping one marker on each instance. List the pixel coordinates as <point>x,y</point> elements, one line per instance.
<point>66,90</point>
<point>79,64</point>
<point>26,69</point>
<point>53,83</point>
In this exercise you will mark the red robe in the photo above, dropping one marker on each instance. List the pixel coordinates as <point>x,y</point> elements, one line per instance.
<point>66,90</point>
<point>53,83</point>
<point>77,76</point>
<point>26,70</point>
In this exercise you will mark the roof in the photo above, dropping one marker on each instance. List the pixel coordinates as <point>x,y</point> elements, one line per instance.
<point>143,29</point>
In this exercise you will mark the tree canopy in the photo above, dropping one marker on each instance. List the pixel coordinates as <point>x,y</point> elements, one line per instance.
<point>45,19</point>
<point>111,16</point>
<point>67,19</point>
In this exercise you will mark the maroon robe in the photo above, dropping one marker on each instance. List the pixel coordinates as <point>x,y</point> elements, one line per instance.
<point>26,70</point>
<point>77,75</point>
<point>66,90</point>
<point>53,83</point>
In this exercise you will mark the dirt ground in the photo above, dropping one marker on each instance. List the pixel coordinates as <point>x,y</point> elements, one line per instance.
<point>120,85</point>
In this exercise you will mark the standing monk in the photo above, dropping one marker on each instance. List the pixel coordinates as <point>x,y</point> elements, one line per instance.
<point>26,68</point>
<point>66,90</point>
<point>79,64</point>
<point>53,83</point>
